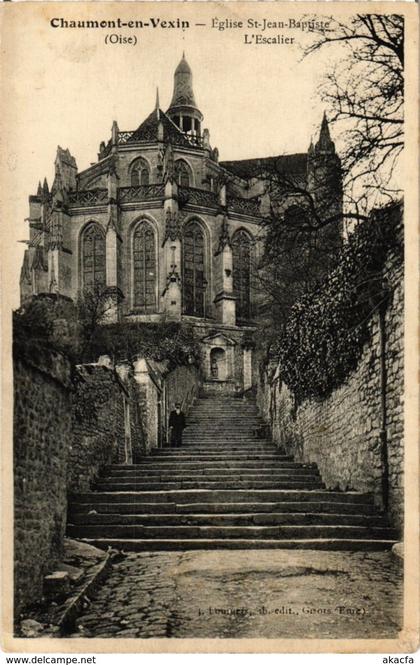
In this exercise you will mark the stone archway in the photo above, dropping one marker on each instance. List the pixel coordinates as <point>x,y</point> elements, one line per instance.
<point>218,368</point>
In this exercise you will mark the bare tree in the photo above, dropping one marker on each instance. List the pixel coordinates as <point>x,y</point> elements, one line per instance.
<point>94,304</point>
<point>302,233</point>
<point>364,92</point>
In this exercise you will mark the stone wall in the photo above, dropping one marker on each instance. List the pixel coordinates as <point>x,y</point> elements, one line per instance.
<point>342,433</point>
<point>98,425</point>
<point>42,435</point>
<point>68,425</point>
<point>159,389</point>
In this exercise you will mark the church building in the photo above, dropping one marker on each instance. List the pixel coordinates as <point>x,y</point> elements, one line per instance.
<point>169,230</point>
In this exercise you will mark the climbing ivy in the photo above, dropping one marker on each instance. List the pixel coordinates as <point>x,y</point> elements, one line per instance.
<point>324,335</point>
<point>172,342</point>
<point>50,322</point>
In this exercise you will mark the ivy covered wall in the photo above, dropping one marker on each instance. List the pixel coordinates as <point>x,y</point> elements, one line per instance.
<point>335,394</point>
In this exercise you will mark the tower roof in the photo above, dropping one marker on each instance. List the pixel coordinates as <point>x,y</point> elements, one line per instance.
<point>183,94</point>
<point>325,142</point>
<point>148,129</point>
<point>183,67</point>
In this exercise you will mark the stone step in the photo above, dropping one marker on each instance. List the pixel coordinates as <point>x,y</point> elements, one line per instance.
<point>198,467</point>
<point>232,483</point>
<point>182,473</point>
<point>218,508</point>
<point>217,418</point>
<point>286,532</point>
<point>223,496</point>
<point>224,488</point>
<point>229,422</point>
<point>229,410</point>
<point>229,519</point>
<point>230,407</point>
<point>227,442</point>
<point>159,544</point>
<point>208,424</point>
<point>224,435</point>
<point>222,448</point>
<point>179,453</point>
<point>228,478</point>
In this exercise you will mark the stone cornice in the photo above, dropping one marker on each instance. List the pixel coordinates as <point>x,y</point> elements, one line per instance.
<point>88,210</point>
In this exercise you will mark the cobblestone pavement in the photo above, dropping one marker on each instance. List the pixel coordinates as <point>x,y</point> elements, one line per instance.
<point>252,593</point>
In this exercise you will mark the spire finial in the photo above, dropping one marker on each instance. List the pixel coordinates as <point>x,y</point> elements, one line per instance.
<point>183,55</point>
<point>157,105</point>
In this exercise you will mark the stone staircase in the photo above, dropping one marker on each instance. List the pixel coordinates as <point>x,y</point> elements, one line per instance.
<point>224,488</point>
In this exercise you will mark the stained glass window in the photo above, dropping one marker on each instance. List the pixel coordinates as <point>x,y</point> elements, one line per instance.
<point>193,281</point>
<point>144,262</point>
<point>182,173</point>
<point>241,251</point>
<point>139,173</point>
<point>93,256</point>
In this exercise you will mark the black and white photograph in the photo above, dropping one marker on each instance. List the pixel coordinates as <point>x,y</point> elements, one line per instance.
<point>209,358</point>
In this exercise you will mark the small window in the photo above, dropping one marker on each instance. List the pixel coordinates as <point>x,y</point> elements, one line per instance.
<point>139,173</point>
<point>183,174</point>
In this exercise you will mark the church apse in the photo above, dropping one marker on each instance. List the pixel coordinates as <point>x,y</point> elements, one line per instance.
<point>169,229</point>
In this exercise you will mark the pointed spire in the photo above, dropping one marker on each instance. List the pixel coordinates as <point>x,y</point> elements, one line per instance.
<point>114,132</point>
<point>311,148</point>
<point>39,190</point>
<point>183,90</point>
<point>325,130</point>
<point>325,143</point>
<point>183,109</point>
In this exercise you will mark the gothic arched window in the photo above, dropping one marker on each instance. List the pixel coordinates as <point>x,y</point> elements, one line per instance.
<point>241,255</point>
<point>183,173</point>
<point>139,173</point>
<point>92,256</point>
<point>193,281</point>
<point>144,268</point>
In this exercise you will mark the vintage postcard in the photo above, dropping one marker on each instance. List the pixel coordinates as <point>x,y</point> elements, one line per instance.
<point>210,298</point>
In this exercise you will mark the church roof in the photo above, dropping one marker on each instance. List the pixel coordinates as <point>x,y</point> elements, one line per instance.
<point>251,168</point>
<point>147,131</point>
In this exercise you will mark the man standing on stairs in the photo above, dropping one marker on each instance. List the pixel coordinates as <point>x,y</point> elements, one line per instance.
<point>176,426</point>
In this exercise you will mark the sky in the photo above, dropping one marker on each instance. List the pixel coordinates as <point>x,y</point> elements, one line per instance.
<point>66,86</point>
